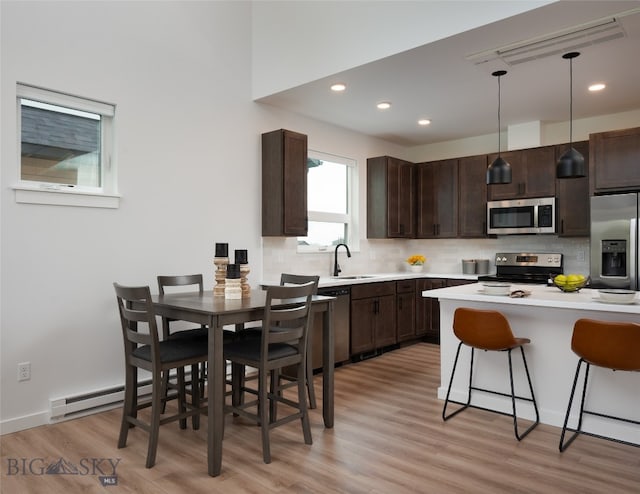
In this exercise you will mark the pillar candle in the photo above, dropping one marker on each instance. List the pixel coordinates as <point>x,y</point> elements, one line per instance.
<point>242,256</point>
<point>222,250</point>
<point>233,271</point>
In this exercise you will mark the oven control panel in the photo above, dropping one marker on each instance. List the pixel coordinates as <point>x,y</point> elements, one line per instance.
<point>538,259</point>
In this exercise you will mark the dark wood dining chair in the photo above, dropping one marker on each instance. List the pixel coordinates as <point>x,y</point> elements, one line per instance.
<point>255,332</point>
<point>198,334</point>
<point>143,349</point>
<point>489,330</point>
<point>283,342</point>
<point>608,345</point>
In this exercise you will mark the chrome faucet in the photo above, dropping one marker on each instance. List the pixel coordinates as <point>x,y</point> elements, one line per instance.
<point>336,266</point>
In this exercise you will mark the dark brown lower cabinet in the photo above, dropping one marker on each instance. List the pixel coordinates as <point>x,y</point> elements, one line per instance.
<point>428,309</point>
<point>406,307</point>
<point>373,316</point>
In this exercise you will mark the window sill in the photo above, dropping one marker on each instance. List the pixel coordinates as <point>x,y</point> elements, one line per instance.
<point>57,197</point>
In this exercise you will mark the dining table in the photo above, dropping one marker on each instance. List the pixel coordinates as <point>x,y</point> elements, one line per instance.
<point>216,312</point>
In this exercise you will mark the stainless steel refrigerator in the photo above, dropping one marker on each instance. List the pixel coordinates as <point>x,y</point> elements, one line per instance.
<point>614,241</point>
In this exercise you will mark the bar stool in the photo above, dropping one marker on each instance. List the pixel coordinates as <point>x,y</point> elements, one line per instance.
<point>610,345</point>
<point>488,330</point>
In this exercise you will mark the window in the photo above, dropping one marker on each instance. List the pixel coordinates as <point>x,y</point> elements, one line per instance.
<point>331,189</point>
<point>65,148</point>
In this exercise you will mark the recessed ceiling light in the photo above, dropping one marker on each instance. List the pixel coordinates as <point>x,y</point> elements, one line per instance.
<point>424,121</point>
<point>338,87</point>
<point>384,105</point>
<point>597,87</point>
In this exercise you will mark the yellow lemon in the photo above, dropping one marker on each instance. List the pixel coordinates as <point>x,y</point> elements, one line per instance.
<point>560,279</point>
<point>573,279</point>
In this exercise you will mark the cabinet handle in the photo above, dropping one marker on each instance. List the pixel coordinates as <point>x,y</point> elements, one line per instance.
<point>400,303</point>
<point>376,307</point>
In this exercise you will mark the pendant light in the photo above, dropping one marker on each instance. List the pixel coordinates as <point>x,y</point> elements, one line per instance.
<point>499,172</point>
<point>571,164</point>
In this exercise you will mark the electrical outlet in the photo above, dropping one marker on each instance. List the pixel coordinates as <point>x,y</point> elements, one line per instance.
<point>24,371</point>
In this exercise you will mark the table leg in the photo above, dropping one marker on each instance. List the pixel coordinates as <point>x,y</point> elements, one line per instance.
<point>215,406</point>
<point>328,359</point>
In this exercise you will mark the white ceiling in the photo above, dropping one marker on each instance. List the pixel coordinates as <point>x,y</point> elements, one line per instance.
<point>436,81</point>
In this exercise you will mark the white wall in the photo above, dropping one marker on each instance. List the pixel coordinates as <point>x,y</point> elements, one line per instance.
<point>298,42</point>
<point>188,152</point>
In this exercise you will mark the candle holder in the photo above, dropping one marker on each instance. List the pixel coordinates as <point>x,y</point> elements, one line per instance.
<point>244,284</point>
<point>220,275</point>
<point>232,283</point>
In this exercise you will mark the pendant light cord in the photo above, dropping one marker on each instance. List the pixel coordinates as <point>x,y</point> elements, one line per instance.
<point>570,102</point>
<point>499,74</point>
<point>499,98</point>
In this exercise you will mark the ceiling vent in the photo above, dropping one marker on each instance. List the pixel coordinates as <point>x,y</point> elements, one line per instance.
<point>556,43</point>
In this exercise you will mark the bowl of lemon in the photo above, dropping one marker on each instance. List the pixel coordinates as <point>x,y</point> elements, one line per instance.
<point>570,282</point>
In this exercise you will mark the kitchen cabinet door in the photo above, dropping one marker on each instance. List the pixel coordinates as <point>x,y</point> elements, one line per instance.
<point>386,329</point>
<point>438,199</point>
<point>428,310</point>
<point>363,320</point>
<point>390,198</point>
<point>615,160</point>
<point>373,316</point>
<point>406,309</point>
<point>572,199</point>
<point>284,184</point>
<point>472,196</point>
<point>533,174</point>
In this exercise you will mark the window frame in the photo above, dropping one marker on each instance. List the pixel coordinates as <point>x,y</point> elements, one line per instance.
<point>34,192</point>
<point>350,219</point>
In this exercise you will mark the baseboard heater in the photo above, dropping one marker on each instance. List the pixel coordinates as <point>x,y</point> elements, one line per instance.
<point>97,401</point>
<point>92,402</point>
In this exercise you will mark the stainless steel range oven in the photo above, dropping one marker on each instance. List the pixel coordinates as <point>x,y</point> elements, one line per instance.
<point>523,267</point>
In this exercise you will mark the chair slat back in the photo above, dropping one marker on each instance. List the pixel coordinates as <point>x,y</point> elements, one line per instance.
<point>299,279</point>
<point>609,344</point>
<point>136,310</point>
<point>484,329</point>
<point>185,280</point>
<point>180,280</point>
<point>292,319</point>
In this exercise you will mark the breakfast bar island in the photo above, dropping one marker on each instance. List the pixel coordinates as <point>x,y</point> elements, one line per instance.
<point>546,316</point>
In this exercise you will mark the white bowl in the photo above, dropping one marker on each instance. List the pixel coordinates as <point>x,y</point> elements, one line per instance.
<point>496,288</point>
<point>617,296</point>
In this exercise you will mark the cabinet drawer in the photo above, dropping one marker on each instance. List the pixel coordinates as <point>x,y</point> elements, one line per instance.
<point>406,286</point>
<point>367,290</point>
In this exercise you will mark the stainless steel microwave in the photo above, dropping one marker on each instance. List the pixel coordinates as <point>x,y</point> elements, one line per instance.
<point>521,216</point>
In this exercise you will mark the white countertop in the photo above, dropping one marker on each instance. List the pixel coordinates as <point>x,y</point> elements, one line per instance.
<point>541,296</point>
<point>347,279</point>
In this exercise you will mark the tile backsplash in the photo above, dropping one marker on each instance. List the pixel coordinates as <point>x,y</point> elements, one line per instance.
<point>444,256</point>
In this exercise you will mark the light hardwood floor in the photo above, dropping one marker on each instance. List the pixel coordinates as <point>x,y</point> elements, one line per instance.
<point>389,438</point>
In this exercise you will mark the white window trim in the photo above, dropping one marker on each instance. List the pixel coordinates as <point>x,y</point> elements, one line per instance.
<point>350,219</point>
<point>60,195</point>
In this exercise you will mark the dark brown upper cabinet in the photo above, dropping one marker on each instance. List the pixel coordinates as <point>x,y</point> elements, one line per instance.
<point>572,198</point>
<point>472,196</point>
<point>614,162</point>
<point>284,184</point>
<point>437,212</point>
<point>533,174</point>
<point>390,198</point>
